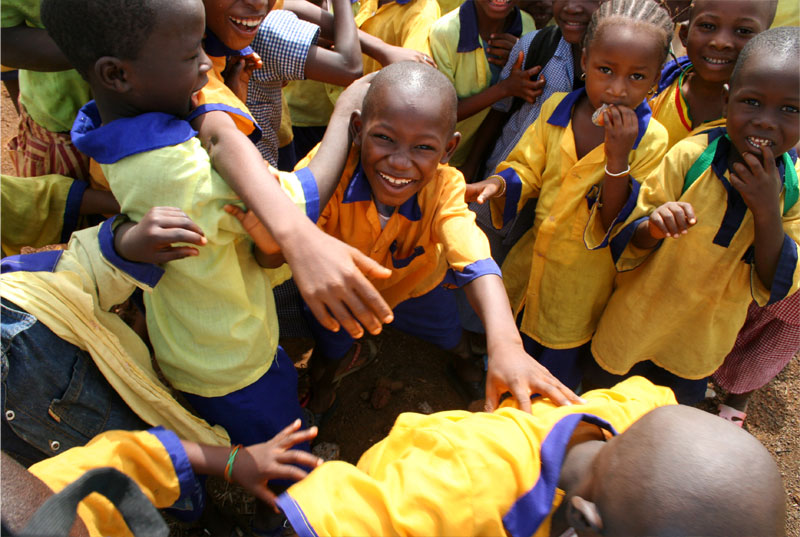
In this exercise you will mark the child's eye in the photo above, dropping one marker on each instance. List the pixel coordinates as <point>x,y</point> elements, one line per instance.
<point>789,108</point>
<point>382,137</point>
<point>751,102</point>
<point>706,26</point>
<point>604,70</point>
<point>426,147</point>
<point>744,31</point>
<point>637,76</point>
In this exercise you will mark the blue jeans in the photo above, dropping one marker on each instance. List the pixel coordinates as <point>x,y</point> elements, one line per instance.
<point>53,395</point>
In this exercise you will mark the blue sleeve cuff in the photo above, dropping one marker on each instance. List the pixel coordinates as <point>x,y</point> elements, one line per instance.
<point>38,262</point>
<point>143,272</point>
<point>784,272</point>
<point>513,193</point>
<point>625,212</point>
<point>72,209</point>
<point>191,496</point>
<point>296,516</point>
<point>254,136</point>
<point>621,240</point>
<point>310,191</point>
<point>479,268</point>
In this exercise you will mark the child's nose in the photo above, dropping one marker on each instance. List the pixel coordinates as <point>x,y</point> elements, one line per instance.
<point>205,62</point>
<point>722,40</point>
<point>400,160</point>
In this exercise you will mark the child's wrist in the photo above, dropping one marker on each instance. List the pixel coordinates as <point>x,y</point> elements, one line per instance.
<point>501,188</point>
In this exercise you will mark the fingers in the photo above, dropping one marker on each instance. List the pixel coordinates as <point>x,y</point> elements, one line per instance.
<point>523,396</point>
<point>672,219</point>
<point>178,252</point>
<point>237,212</point>
<point>300,458</point>
<point>492,396</point>
<point>368,266</point>
<point>559,394</point>
<point>518,62</point>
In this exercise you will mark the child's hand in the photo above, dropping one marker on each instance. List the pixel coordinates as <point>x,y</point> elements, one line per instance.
<point>392,54</point>
<point>621,129</point>
<point>353,95</point>
<point>500,46</point>
<point>521,83</point>
<point>150,241</point>
<point>672,219</point>
<point>255,465</point>
<point>483,190</point>
<point>253,226</point>
<point>513,370</point>
<point>758,183</point>
<point>238,71</point>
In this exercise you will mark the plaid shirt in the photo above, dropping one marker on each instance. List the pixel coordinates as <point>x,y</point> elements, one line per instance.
<point>283,42</point>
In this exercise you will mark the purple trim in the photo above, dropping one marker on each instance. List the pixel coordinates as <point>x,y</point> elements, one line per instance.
<point>479,268</point>
<point>296,516</point>
<point>254,136</point>
<point>784,272</point>
<point>191,496</point>
<point>213,46</point>
<point>310,192</point>
<point>671,71</point>
<point>625,212</point>
<point>530,509</point>
<point>38,262</point>
<point>513,193</point>
<point>469,35</point>
<point>72,209</point>
<point>146,273</point>
<point>618,244</point>
<point>359,190</point>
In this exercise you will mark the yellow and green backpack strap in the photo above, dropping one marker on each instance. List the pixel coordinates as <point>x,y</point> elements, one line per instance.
<point>700,165</point>
<point>790,187</point>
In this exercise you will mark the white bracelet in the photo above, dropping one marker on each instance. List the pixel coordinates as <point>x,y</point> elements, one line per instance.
<point>620,174</point>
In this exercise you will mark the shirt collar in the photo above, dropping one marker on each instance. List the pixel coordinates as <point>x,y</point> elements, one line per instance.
<point>469,37</point>
<point>359,190</point>
<point>126,136</point>
<point>720,161</point>
<point>562,115</point>
<point>671,71</point>
<point>215,47</point>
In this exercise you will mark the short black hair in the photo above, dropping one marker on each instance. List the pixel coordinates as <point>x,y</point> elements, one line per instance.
<point>773,8</point>
<point>418,78</point>
<point>86,30</point>
<point>781,45</point>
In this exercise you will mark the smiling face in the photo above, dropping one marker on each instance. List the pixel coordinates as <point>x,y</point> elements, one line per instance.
<point>235,22</point>
<point>573,17</point>
<point>717,32</point>
<point>622,63</point>
<point>403,141</point>
<point>763,106</point>
<point>171,65</point>
<point>495,9</point>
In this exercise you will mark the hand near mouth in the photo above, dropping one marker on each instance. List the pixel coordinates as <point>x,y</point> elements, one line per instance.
<point>622,128</point>
<point>757,181</point>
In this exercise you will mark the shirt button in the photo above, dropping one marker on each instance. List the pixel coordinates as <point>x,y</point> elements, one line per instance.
<point>10,415</point>
<point>55,445</point>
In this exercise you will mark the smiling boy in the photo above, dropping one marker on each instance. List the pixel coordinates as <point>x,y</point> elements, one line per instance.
<point>400,204</point>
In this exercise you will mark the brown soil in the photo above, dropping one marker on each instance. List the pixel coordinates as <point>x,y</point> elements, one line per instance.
<point>421,385</point>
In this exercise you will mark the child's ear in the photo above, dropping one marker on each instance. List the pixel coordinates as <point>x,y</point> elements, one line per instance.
<point>356,126</point>
<point>583,515</point>
<point>110,72</point>
<point>583,60</point>
<point>683,33</point>
<point>450,148</point>
<point>726,97</point>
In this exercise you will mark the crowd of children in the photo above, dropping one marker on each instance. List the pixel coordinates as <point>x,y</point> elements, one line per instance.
<point>597,205</point>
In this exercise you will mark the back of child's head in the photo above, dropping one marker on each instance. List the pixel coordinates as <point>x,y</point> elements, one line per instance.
<point>414,80</point>
<point>763,9</point>
<point>642,13</point>
<point>86,30</point>
<point>682,471</point>
<point>779,46</point>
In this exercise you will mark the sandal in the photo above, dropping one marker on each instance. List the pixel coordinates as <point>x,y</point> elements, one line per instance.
<point>731,414</point>
<point>319,419</point>
<point>365,350</point>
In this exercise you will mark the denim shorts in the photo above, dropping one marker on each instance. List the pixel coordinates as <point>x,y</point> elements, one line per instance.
<point>53,395</point>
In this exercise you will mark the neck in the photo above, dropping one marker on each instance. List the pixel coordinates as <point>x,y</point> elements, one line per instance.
<point>487,27</point>
<point>575,473</point>
<point>702,88</point>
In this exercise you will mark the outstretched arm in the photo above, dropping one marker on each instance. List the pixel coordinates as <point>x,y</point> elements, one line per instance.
<point>510,367</point>
<point>31,48</point>
<point>342,64</point>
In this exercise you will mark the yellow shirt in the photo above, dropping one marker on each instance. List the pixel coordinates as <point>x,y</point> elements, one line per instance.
<point>308,103</point>
<point>788,14</point>
<point>73,299</point>
<point>458,51</point>
<point>212,319</point>
<point>682,304</point>
<point>461,473</point>
<point>567,286</point>
<point>431,237</point>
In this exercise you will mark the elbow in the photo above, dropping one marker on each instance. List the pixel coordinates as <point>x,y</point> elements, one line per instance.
<point>353,69</point>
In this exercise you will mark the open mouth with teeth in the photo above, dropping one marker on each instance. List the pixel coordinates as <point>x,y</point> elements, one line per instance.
<point>758,143</point>
<point>717,61</point>
<point>396,182</point>
<point>246,24</point>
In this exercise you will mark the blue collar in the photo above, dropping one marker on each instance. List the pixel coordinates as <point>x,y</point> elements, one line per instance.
<point>215,47</point>
<point>562,115</point>
<point>671,71</point>
<point>126,136</point>
<point>359,190</point>
<point>469,37</point>
<point>720,161</point>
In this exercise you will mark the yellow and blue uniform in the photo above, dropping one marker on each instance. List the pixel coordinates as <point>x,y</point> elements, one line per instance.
<point>459,52</point>
<point>71,292</point>
<point>692,294</point>
<point>669,105</point>
<point>154,459</point>
<point>462,473</point>
<point>563,286</point>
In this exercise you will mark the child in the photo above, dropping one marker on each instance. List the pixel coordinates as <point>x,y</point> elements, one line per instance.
<point>673,470</point>
<point>563,160</point>
<point>740,202</point>
<point>72,367</point>
<point>691,93</point>
<point>464,44</point>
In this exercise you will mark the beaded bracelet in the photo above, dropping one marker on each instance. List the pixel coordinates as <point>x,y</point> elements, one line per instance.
<point>620,174</point>
<point>228,474</point>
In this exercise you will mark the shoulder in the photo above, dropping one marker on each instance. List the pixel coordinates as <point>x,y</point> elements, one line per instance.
<point>447,25</point>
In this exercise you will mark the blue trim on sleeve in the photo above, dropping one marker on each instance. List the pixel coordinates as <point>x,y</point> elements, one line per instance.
<point>360,190</point>
<point>192,497</point>
<point>625,212</point>
<point>531,509</point>
<point>479,268</point>
<point>296,516</point>
<point>310,192</point>
<point>72,209</point>
<point>513,194</point>
<point>38,262</point>
<point>254,136</point>
<point>671,71</point>
<point>469,36</point>
<point>620,241</point>
<point>126,136</point>
<point>213,46</point>
<point>784,272</point>
<point>144,272</point>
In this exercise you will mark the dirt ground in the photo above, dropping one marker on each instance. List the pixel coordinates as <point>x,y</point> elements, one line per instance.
<point>421,385</point>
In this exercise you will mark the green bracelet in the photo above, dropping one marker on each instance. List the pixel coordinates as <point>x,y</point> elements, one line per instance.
<point>228,474</point>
